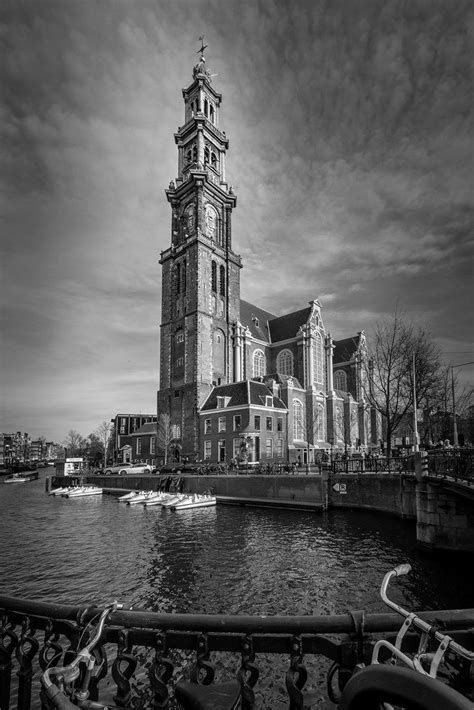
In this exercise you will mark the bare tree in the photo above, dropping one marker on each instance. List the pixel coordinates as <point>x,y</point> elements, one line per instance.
<point>103,434</point>
<point>164,434</point>
<point>401,355</point>
<point>74,443</point>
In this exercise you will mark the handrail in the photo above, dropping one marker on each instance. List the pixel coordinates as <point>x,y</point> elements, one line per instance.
<point>48,634</point>
<point>237,623</point>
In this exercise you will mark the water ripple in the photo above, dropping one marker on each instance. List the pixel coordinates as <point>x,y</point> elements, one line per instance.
<point>214,560</point>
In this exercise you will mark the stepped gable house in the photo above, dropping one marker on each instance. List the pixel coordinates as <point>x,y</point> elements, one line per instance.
<point>235,380</point>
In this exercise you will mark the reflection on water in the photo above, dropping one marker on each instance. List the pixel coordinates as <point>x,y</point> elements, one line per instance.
<point>223,559</point>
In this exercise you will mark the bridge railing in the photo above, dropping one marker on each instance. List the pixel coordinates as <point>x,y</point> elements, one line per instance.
<point>457,464</point>
<point>141,655</point>
<point>381,464</point>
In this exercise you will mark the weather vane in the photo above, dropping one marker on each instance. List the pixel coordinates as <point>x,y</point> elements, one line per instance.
<point>203,46</point>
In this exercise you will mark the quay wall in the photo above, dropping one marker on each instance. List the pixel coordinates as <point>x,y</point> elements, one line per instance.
<point>384,492</point>
<point>388,493</point>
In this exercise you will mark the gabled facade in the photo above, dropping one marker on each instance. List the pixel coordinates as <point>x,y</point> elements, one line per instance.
<point>124,427</point>
<point>212,340</point>
<point>244,422</point>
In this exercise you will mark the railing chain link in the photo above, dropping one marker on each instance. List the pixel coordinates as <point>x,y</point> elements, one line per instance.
<point>123,668</point>
<point>296,677</point>
<point>202,663</point>
<point>25,651</point>
<point>8,643</point>
<point>51,651</point>
<point>248,673</point>
<point>160,673</point>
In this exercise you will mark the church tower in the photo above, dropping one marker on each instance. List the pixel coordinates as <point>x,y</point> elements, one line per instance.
<point>200,272</point>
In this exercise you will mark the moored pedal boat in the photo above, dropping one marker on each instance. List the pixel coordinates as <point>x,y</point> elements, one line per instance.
<point>156,499</point>
<point>173,500</point>
<point>128,496</point>
<point>71,489</point>
<point>57,491</point>
<point>195,501</point>
<point>85,491</point>
<point>140,498</point>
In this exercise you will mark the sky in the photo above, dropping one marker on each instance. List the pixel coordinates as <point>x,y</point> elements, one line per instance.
<point>351,154</point>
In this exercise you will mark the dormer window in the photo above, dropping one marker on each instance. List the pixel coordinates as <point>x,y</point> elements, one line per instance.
<point>269,401</point>
<point>222,402</point>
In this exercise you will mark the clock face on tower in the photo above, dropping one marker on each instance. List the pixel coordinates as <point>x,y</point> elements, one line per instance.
<point>190,218</point>
<point>211,222</point>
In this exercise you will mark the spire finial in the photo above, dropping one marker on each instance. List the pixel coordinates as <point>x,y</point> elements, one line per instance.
<point>202,47</point>
<point>200,68</point>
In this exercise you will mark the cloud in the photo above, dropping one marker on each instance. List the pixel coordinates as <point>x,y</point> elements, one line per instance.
<point>351,153</point>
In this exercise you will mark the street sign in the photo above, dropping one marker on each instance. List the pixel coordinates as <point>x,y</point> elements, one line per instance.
<point>340,488</point>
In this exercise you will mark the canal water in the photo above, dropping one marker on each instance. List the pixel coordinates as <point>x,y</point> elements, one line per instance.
<point>215,560</point>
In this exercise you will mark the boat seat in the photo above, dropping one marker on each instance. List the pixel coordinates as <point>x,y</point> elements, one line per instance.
<point>219,696</point>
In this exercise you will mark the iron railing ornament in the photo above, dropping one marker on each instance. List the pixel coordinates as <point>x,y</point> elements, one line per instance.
<point>248,673</point>
<point>123,669</point>
<point>160,673</point>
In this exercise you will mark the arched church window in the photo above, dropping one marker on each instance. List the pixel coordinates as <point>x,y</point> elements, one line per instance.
<point>285,362</point>
<point>213,160</point>
<point>319,423</point>
<point>298,429</point>
<point>340,380</point>
<point>189,156</point>
<point>222,280</point>
<point>206,107</point>
<point>318,358</point>
<point>214,276</point>
<point>195,153</point>
<point>258,363</point>
<point>206,155</point>
<point>211,113</point>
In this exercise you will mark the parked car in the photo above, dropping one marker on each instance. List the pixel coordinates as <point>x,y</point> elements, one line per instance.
<point>140,468</point>
<point>117,468</point>
<point>122,469</point>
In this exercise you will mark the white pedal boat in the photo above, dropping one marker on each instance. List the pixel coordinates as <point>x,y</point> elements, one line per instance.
<point>129,496</point>
<point>173,500</point>
<point>86,491</point>
<point>140,498</point>
<point>157,499</point>
<point>59,491</point>
<point>195,501</point>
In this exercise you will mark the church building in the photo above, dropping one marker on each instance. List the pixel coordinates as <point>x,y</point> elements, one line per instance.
<point>238,382</point>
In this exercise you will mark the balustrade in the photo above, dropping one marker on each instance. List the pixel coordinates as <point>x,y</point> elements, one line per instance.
<point>170,648</point>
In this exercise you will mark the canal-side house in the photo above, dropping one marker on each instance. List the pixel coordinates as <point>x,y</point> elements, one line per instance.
<point>244,422</point>
<point>125,441</point>
<point>215,344</point>
<point>140,445</point>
